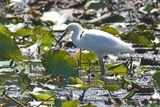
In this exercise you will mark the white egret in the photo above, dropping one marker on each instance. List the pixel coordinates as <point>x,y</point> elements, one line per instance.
<point>99,42</point>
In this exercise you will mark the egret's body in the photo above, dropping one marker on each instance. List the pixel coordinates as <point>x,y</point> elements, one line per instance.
<point>100,43</point>
<point>96,41</point>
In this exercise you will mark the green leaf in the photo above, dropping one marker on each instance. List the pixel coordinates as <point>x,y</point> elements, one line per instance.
<point>3,20</point>
<point>73,103</point>
<point>23,80</point>
<point>5,30</point>
<point>110,30</point>
<point>2,90</point>
<point>93,4</point>
<point>89,105</point>
<point>42,95</point>
<point>156,78</point>
<point>111,87</point>
<point>141,37</point>
<point>24,32</point>
<point>16,20</point>
<point>8,49</point>
<point>82,86</point>
<point>86,58</point>
<point>146,9</point>
<point>76,80</point>
<point>152,105</point>
<point>120,69</point>
<point>59,63</point>
<point>5,77</point>
<point>114,17</point>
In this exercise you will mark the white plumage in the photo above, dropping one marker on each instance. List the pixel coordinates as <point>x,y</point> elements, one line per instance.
<point>98,42</point>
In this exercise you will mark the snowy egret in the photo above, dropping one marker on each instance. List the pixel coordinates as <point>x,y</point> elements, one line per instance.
<point>99,42</point>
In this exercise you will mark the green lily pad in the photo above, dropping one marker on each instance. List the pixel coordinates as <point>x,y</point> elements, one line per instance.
<point>156,78</point>
<point>86,58</point>
<point>141,37</point>
<point>95,4</point>
<point>5,76</point>
<point>59,63</point>
<point>5,30</point>
<point>89,105</point>
<point>23,81</point>
<point>120,69</point>
<point>8,49</point>
<point>73,103</point>
<point>111,87</point>
<point>76,80</point>
<point>42,95</point>
<point>3,20</point>
<point>110,30</point>
<point>82,86</point>
<point>146,9</point>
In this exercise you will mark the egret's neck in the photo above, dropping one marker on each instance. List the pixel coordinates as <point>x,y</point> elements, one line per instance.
<point>76,35</point>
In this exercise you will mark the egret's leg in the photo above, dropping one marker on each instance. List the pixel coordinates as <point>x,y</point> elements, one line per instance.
<point>102,66</point>
<point>80,58</point>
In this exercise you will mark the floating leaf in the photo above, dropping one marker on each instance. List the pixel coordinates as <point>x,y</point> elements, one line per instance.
<point>41,95</point>
<point>4,77</point>
<point>114,17</point>
<point>89,105</point>
<point>23,80</point>
<point>95,4</point>
<point>111,87</point>
<point>120,69</point>
<point>5,30</point>
<point>86,59</point>
<point>24,32</point>
<point>146,9</point>
<point>3,20</point>
<point>141,37</point>
<point>76,80</point>
<point>73,103</point>
<point>59,63</point>
<point>8,49</point>
<point>110,30</point>
<point>156,78</point>
<point>16,20</point>
<point>82,86</point>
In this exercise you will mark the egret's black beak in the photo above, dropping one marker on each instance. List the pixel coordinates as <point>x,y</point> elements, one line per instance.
<point>65,32</point>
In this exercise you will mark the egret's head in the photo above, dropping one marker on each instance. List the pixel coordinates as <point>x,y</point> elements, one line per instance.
<point>72,27</point>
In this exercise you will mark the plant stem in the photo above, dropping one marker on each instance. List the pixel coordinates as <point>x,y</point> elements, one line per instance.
<point>16,101</point>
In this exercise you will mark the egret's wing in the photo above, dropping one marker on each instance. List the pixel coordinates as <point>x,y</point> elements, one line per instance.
<point>102,43</point>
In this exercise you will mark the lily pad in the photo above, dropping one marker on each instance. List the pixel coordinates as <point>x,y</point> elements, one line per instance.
<point>86,59</point>
<point>89,105</point>
<point>4,77</point>
<point>156,78</point>
<point>110,30</point>
<point>82,86</point>
<point>111,87</point>
<point>40,95</point>
<point>140,37</point>
<point>95,4</point>
<point>8,49</point>
<point>76,80</point>
<point>59,63</point>
<point>146,9</point>
<point>73,103</point>
<point>120,69</point>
